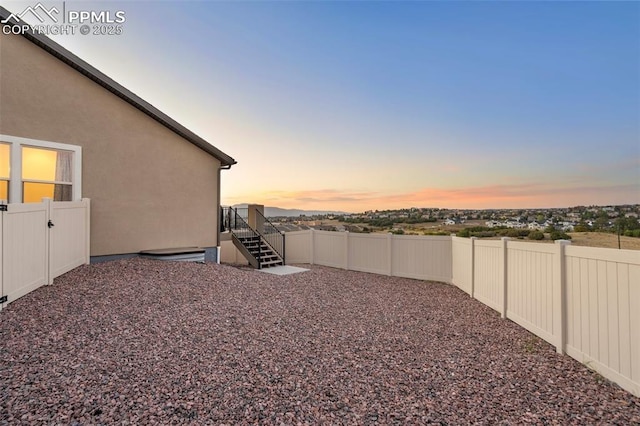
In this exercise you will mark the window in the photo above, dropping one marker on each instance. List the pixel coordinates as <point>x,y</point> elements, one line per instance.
<point>46,173</point>
<point>33,169</point>
<point>5,162</point>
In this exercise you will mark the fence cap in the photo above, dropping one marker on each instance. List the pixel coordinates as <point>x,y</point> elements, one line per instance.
<point>562,242</point>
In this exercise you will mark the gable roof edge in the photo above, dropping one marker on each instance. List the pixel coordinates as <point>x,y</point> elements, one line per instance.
<point>117,89</point>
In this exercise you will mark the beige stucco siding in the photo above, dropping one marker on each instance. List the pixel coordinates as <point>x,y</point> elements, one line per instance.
<point>149,187</point>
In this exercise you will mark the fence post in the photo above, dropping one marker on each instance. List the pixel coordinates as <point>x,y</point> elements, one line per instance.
<point>560,295</point>
<point>473,266</point>
<point>503,310</point>
<point>48,240</point>
<point>346,250</point>
<point>312,242</point>
<point>390,253</point>
<point>87,212</point>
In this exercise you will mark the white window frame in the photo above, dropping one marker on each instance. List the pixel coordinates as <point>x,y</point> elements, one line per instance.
<point>8,179</point>
<point>15,173</point>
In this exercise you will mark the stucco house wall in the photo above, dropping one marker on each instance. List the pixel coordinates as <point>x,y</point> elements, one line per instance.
<point>149,187</point>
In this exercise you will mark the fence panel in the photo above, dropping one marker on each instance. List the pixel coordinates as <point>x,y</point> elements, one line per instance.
<point>32,253</point>
<point>329,248</point>
<point>530,287</point>
<point>369,253</point>
<point>603,312</point>
<point>24,249</point>
<point>69,246</point>
<point>422,257</point>
<point>488,270</point>
<point>462,263</point>
<point>298,246</point>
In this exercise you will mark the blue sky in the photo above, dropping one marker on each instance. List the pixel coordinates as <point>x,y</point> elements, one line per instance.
<point>374,105</point>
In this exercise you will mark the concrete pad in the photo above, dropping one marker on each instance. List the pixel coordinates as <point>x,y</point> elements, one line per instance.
<point>283,270</point>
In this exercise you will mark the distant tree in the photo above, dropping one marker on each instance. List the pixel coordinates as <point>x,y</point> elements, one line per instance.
<point>601,223</point>
<point>536,235</point>
<point>582,227</point>
<point>633,223</point>
<point>483,234</point>
<point>514,233</point>
<point>509,232</point>
<point>464,233</point>
<point>559,235</point>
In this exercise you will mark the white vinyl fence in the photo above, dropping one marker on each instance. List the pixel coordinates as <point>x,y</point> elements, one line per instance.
<point>585,301</point>
<point>603,312</point>
<point>426,258</point>
<point>40,242</point>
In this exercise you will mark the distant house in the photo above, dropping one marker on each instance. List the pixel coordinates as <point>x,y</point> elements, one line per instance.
<point>67,131</point>
<point>515,224</point>
<point>567,226</point>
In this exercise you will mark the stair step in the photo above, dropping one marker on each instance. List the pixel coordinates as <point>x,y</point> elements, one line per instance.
<point>261,251</point>
<point>269,258</point>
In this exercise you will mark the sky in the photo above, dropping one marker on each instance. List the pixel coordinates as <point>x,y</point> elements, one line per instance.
<point>363,105</point>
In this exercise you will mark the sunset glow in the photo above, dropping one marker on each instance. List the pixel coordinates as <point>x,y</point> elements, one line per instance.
<point>499,196</point>
<point>357,106</point>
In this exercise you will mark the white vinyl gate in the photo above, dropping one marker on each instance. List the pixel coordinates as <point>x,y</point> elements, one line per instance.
<point>40,242</point>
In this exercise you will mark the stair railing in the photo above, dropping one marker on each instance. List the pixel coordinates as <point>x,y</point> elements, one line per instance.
<point>271,234</point>
<point>229,218</point>
<point>241,230</point>
<point>232,219</point>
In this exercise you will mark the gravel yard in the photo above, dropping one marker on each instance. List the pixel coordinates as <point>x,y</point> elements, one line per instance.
<point>140,341</point>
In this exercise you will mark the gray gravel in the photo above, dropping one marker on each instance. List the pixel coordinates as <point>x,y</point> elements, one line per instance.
<point>140,341</point>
